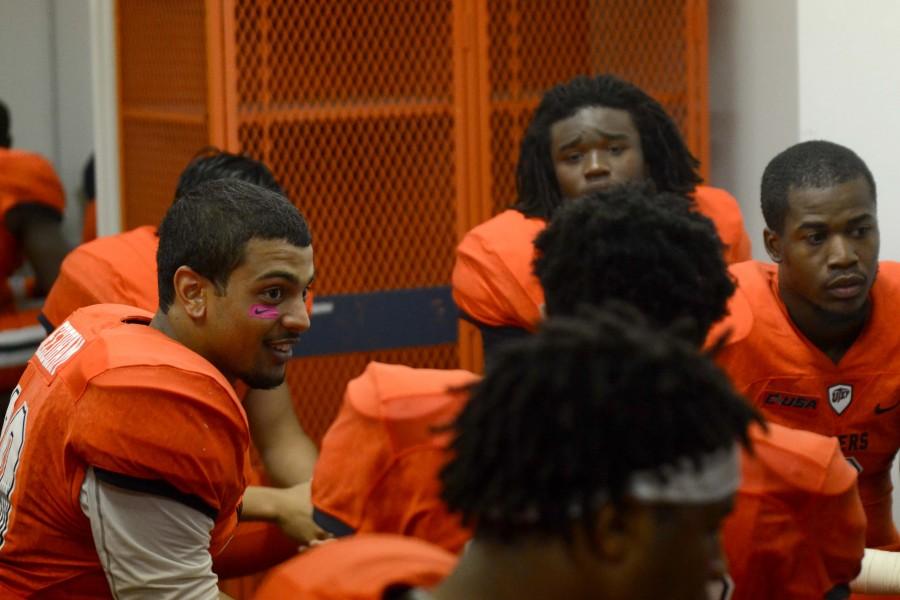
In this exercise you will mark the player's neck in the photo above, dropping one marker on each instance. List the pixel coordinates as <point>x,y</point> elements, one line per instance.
<point>512,572</point>
<point>831,334</point>
<point>174,324</point>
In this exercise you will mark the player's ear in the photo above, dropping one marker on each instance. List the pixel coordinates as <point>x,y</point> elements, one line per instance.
<point>190,291</point>
<point>773,244</point>
<point>620,530</point>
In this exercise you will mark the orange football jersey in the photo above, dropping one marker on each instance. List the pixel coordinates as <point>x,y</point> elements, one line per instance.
<point>119,269</point>
<point>798,526</point>
<point>362,567</point>
<point>25,178</point>
<point>795,384</point>
<point>107,391</point>
<point>493,278</point>
<point>379,463</point>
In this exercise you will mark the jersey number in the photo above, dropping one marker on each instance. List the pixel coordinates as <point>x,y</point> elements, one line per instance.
<point>11,442</point>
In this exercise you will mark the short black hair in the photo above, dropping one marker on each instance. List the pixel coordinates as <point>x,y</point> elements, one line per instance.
<point>5,125</point>
<point>211,163</point>
<point>652,250</point>
<point>563,419</point>
<point>813,164</point>
<point>210,225</point>
<point>670,164</point>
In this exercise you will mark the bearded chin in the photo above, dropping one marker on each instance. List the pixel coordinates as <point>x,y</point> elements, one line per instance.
<point>259,381</point>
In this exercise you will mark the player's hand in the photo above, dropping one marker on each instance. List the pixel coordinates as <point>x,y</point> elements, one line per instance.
<point>295,514</point>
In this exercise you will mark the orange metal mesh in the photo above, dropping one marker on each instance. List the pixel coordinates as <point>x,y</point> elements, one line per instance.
<point>163,91</point>
<point>534,45</point>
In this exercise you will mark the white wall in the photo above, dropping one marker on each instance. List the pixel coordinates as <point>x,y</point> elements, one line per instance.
<point>27,74</point>
<point>45,79</point>
<point>850,91</point>
<point>753,96</point>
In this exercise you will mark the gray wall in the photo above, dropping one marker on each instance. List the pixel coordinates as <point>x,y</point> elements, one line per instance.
<point>45,79</point>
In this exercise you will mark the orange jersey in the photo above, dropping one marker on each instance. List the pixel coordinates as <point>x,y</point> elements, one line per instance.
<point>725,212</point>
<point>795,384</point>
<point>119,269</point>
<point>379,463</point>
<point>25,178</point>
<point>798,526</point>
<point>493,278</point>
<point>362,567</point>
<point>107,391</point>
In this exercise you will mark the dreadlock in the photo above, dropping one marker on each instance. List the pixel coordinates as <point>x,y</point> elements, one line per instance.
<point>563,419</point>
<point>211,163</point>
<point>671,165</point>
<point>631,244</point>
<point>813,164</point>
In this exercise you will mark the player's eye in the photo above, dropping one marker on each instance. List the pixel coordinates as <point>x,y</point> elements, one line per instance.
<point>273,294</point>
<point>816,238</point>
<point>616,150</point>
<point>860,232</point>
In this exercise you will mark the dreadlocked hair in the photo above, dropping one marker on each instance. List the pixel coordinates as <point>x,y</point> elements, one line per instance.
<point>564,419</point>
<point>652,250</point>
<point>812,164</point>
<point>670,164</point>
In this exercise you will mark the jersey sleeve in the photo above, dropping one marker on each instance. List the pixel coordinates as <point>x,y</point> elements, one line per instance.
<point>839,521</point>
<point>178,431</point>
<point>149,546</point>
<point>407,500</point>
<point>486,290</point>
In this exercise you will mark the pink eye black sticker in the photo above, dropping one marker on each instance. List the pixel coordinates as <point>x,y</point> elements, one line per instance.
<point>263,311</point>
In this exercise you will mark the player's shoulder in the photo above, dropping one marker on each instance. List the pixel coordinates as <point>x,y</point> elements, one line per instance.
<point>118,339</point>
<point>887,283</point>
<point>361,566</point>
<point>509,229</point>
<point>720,206</point>
<point>25,159</point>
<point>796,461</point>
<point>107,249</point>
<point>391,392</point>
<point>753,302</point>
<point>706,194</point>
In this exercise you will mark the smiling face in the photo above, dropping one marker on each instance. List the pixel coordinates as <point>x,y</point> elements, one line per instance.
<point>594,149</point>
<point>828,250</point>
<point>253,325</point>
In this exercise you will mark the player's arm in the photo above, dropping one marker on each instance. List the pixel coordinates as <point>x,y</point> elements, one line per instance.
<point>838,522</point>
<point>880,573</point>
<point>152,541</point>
<point>287,452</point>
<point>289,508</point>
<point>38,229</point>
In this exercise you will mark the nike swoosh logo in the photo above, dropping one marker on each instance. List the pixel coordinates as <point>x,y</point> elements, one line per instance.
<point>261,311</point>
<point>881,411</point>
